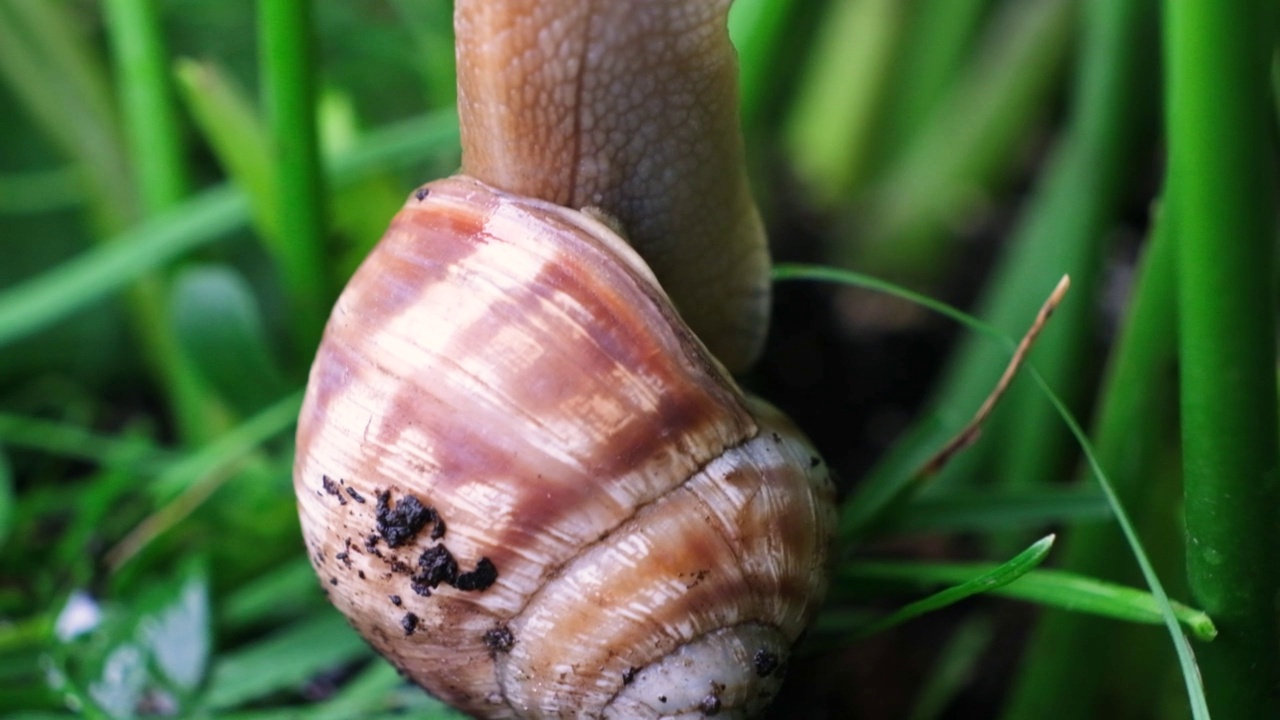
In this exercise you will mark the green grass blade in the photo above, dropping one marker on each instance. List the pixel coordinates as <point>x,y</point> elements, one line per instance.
<point>188,483</point>
<point>829,131</point>
<point>282,593</point>
<point>149,107</point>
<point>6,497</point>
<point>56,78</point>
<point>1051,588</point>
<point>42,300</point>
<point>286,57</point>
<point>956,664</point>
<point>968,142</point>
<point>1222,192</point>
<point>124,450</point>
<point>995,510</point>
<point>887,491</point>
<point>283,661</point>
<point>230,124</point>
<point>758,29</point>
<point>882,494</point>
<point>936,48</point>
<point>984,581</point>
<point>1137,419</point>
<point>1186,657</point>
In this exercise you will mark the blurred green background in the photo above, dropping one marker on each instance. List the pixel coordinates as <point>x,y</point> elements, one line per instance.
<point>185,186</point>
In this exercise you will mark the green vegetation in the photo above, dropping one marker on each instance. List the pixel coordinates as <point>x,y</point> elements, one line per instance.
<point>185,187</point>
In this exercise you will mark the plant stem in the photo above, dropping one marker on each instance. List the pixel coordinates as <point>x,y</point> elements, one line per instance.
<point>1222,187</point>
<point>287,56</point>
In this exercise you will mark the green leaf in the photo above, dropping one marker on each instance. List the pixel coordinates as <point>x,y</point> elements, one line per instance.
<point>986,580</point>
<point>284,660</point>
<point>219,325</point>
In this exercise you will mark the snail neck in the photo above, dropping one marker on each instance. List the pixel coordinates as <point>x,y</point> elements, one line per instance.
<point>629,107</point>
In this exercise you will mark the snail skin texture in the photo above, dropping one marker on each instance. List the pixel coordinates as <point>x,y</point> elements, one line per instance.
<point>527,483</point>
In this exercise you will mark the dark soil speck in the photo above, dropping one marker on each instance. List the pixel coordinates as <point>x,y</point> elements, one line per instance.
<point>410,623</point>
<point>400,522</point>
<point>331,487</point>
<point>485,574</point>
<point>437,566</point>
<point>499,640</point>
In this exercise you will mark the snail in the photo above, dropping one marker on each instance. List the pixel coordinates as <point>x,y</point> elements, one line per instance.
<point>521,475</point>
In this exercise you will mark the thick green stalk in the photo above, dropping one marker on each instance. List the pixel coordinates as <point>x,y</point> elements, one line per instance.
<point>1222,186</point>
<point>287,60</point>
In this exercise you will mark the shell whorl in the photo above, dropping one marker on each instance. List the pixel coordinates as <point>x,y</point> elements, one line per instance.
<point>514,367</point>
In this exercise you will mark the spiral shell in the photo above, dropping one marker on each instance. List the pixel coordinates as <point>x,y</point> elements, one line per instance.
<point>529,486</point>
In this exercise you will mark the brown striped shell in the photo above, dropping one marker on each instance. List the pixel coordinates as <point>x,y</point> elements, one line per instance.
<point>529,486</point>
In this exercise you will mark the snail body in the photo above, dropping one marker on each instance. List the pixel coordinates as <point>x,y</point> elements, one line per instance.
<point>529,485</point>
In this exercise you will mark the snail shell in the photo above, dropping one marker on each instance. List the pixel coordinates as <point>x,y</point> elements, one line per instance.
<point>527,484</point>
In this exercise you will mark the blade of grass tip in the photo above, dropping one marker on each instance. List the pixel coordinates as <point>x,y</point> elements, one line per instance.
<point>1003,574</point>
<point>969,433</point>
<point>230,124</point>
<point>193,480</point>
<point>1222,184</point>
<point>1186,656</point>
<point>287,57</point>
<point>1050,588</point>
